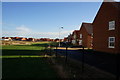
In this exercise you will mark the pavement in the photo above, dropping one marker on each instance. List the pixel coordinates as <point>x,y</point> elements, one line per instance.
<point>103,61</point>
<point>64,48</point>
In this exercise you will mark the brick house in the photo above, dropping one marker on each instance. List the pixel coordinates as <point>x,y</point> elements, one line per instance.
<point>17,38</point>
<point>7,38</point>
<point>23,39</point>
<point>85,35</point>
<point>70,37</point>
<point>56,40</point>
<point>106,28</point>
<point>75,36</point>
<point>31,39</point>
<point>65,39</point>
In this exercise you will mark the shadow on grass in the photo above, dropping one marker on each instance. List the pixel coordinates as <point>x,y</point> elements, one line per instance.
<point>46,44</point>
<point>23,52</point>
<point>27,68</point>
<point>41,45</point>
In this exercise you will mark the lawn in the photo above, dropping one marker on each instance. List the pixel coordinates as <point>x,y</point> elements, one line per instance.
<point>32,49</point>
<point>26,67</point>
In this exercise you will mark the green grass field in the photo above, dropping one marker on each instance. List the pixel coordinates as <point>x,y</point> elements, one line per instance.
<point>22,50</point>
<point>35,48</point>
<point>26,67</point>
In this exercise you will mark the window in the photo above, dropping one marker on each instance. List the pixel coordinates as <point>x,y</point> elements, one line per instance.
<point>73,41</point>
<point>80,42</point>
<point>74,36</point>
<point>92,35</point>
<point>112,25</point>
<point>111,42</point>
<point>80,35</point>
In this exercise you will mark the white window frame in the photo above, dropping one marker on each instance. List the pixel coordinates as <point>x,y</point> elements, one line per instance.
<point>92,35</point>
<point>110,42</point>
<point>73,41</point>
<point>80,35</point>
<point>75,36</point>
<point>111,25</point>
<point>80,42</point>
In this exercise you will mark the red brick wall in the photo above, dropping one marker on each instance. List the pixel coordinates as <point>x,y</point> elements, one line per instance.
<point>101,33</point>
<point>86,38</point>
<point>89,41</point>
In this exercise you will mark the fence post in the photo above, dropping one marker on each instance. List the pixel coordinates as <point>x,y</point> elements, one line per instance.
<point>83,59</point>
<point>66,55</point>
<point>56,51</point>
<point>45,50</point>
<point>50,50</point>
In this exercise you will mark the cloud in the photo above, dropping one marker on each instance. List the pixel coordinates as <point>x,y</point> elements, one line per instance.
<point>23,28</point>
<point>24,31</point>
<point>36,34</point>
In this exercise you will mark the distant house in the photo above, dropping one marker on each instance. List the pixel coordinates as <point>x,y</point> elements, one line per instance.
<point>17,38</point>
<point>85,35</point>
<point>106,29</point>
<point>70,37</point>
<point>3,37</point>
<point>56,40</point>
<point>51,39</point>
<point>30,39</point>
<point>23,39</point>
<point>75,37</point>
<point>48,39</point>
<point>65,39</point>
<point>7,38</point>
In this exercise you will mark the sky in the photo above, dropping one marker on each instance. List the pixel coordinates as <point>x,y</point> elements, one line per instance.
<point>58,0</point>
<point>44,19</point>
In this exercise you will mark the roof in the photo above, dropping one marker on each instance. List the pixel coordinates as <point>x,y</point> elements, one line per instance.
<point>76,31</point>
<point>114,4</point>
<point>88,27</point>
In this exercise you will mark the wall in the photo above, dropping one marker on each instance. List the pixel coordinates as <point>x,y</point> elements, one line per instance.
<point>101,33</point>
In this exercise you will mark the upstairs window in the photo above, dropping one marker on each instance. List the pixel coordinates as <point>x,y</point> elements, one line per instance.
<point>111,42</point>
<point>92,35</point>
<point>80,35</point>
<point>111,25</point>
<point>74,36</point>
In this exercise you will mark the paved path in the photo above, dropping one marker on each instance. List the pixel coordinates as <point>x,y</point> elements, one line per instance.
<point>100,60</point>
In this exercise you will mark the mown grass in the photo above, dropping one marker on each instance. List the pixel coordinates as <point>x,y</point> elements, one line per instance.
<point>22,50</point>
<point>22,47</point>
<point>26,67</point>
<point>33,49</point>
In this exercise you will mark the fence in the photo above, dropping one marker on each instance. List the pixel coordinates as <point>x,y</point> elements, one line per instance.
<point>98,59</point>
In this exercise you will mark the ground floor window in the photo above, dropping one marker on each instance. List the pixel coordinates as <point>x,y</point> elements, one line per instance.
<point>80,42</point>
<point>73,41</point>
<point>111,42</point>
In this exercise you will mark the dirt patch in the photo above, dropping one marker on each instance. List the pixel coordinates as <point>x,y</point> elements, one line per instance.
<point>59,69</point>
<point>15,43</point>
